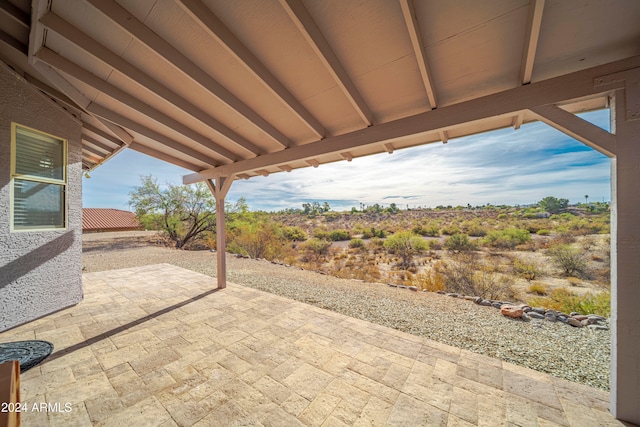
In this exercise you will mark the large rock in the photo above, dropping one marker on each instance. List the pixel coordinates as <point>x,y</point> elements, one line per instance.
<point>574,322</point>
<point>511,311</point>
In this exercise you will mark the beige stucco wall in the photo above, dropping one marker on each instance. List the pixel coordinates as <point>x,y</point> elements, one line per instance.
<point>40,272</point>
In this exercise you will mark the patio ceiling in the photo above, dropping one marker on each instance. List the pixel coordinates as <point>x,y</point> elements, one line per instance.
<point>246,88</point>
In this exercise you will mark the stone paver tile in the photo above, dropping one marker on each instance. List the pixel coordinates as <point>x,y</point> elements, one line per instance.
<point>377,356</point>
<point>432,351</point>
<point>521,370</point>
<point>576,414</point>
<point>375,413</point>
<point>84,388</point>
<point>63,360</point>
<point>211,360</point>
<point>527,387</point>
<point>218,377</point>
<point>126,354</point>
<point>370,386</point>
<point>157,380</point>
<point>228,336</point>
<point>307,381</point>
<point>492,411</point>
<point>278,417</point>
<point>520,411</point>
<point>189,412</point>
<point>153,361</point>
<point>337,363</point>
<point>76,416</point>
<point>235,364</point>
<point>408,411</point>
<point>546,423</point>
<point>275,391</point>
<point>445,371</point>
<point>103,406</point>
<point>438,394</point>
<point>454,421</point>
<point>148,412</point>
<point>582,394</point>
<point>126,382</point>
<point>406,346</point>
<point>396,376</point>
<point>295,404</point>
<point>128,338</point>
<point>464,405</point>
<point>332,421</point>
<point>258,371</point>
<point>319,409</point>
<point>376,373</point>
<point>229,414</point>
<point>46,383</point>
<point>244,395</point>
<point>62,337</point>
<point>605,419</point>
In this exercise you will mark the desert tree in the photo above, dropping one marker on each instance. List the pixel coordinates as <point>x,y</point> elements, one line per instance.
<point>553,205</point>
<point>406,245</point>
<point>181,211</point>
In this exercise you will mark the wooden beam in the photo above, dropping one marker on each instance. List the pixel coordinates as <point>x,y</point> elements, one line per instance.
<point>534,23</point>
<point>130,101</point>
<point>100,52</point>
<point>52,92</point>
<point>94,151</point>
<point>502,104</point>
<point>262,172</point>
<point>220,188</point>
<point>136,146</point>
<point>285,168</point>
<point>517,120</point>
<point>346,156</point>
<point>116,118</point>
<point>388,147</point>
<point>174,58</point>
<point>305,23</point>
<point>14,43</point>
<point>97,144</point>
<point>409,14</point>
<point>312,162</point>
<point>444,136</point>
<point>243,176</point>
<point>36,31</point>
<point>101,134</point>
<point>216,29</point>
<point>580,129</point>
<point>17,15</point>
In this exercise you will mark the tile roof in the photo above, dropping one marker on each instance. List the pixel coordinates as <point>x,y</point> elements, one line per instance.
<point>94,219</point>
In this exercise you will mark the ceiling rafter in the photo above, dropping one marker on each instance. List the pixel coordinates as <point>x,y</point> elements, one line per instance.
<point>14,43</point>
<point>90,140</point>
<point>116,118</point>
<point>534,24</point>
<point>285,168</point>
<point>79,99</point>
<point>101,134</point>
<point>119,95</point>
<point>307,26</point>
<point>312,162</point>
<point>163,156</point>
<point>411,21</point>
<point>16,14</point>
<point>92,149</point>
<point>174,58</point>
<point>346,156</point>
<point>503,104</point>
<point>91,46</point>
<point>216,29</point>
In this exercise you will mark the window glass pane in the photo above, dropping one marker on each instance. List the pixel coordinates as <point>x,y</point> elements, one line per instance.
<point>37,205</point>
<point>39,155</point>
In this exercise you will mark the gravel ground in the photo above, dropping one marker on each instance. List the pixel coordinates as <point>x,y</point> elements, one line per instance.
<point>579,355</point>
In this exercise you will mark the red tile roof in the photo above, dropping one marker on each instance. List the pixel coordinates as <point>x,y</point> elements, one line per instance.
<point>105,219</point>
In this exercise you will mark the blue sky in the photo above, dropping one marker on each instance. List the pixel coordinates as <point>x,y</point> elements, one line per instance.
<point>502,167</point>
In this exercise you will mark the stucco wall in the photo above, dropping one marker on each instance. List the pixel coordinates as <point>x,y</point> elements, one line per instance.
<point>40,272</point>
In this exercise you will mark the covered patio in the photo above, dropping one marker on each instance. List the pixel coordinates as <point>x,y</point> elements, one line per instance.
<point>157,346</point>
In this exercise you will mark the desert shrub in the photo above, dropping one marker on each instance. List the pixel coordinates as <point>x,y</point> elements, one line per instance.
<point>474,228</point>
<point>406,245</point>
<point>508,238</point>
<point>366,271</point>
<point>432,280</point>
<point>294,234</point>
<point>543,232</point>
<point>568,259</point>
<point>321,233</point>
<point>373,232</point>
<point>317,246</point>
<point>537,288</point>
<point>459,243</point>
<point>451,230</point>
<point>356,244</point>
<point>339,235</point>
<point>258,239</point>
<point>564,300</point>
<point>502,216</point>
<point>467,275</point>
<point>526,269</point>
<point>431,230</point>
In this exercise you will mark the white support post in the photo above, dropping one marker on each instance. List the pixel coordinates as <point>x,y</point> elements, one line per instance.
<point>625,255</point>
<point>220,190</point>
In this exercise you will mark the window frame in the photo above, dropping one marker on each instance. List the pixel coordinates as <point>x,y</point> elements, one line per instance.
<point>37,179</point>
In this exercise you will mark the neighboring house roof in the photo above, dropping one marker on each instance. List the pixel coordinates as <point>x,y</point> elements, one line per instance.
<point>94,219</point>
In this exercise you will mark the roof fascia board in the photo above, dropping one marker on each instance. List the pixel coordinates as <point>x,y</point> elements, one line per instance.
<point>216,29</point>
<point>534,24</point>
<point>551,91</point>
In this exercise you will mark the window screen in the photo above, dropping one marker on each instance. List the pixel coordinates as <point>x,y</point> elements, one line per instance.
<point>39,180</point>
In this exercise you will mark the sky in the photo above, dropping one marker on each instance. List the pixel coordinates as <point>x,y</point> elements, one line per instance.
<point>507,166</point>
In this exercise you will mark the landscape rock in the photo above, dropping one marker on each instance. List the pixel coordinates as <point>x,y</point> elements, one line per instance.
<point>485,302</point>
<point>598,327</point>
<point>550,316</point>
<point>511,311</point>
<point>413,288</point>
<point>496,304</point>
<point>574,322</point>
<point>539,310</point>
<point>579,317</point>
<point>535,315</point>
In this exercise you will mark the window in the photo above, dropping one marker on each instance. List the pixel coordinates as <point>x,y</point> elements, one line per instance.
<point>38,180</point>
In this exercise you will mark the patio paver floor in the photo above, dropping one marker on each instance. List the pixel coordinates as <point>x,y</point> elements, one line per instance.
<point>158,346</point>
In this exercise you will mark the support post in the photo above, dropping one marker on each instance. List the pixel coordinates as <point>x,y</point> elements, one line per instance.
<point>625,255</point>
<point>220,188</point>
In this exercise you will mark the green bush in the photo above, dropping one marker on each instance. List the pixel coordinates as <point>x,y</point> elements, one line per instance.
<point>406,245</point>
<point>339,235</point>
<point>431,230</point>
<point>317,246</point>
<point>459,242</point>
<point>356,244</point>
<point>372,232</point>
<point>528,270</point>
<point>543,232</point>
<point>321,233</point>
<point>294,234</point>
<point>508,238</point>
